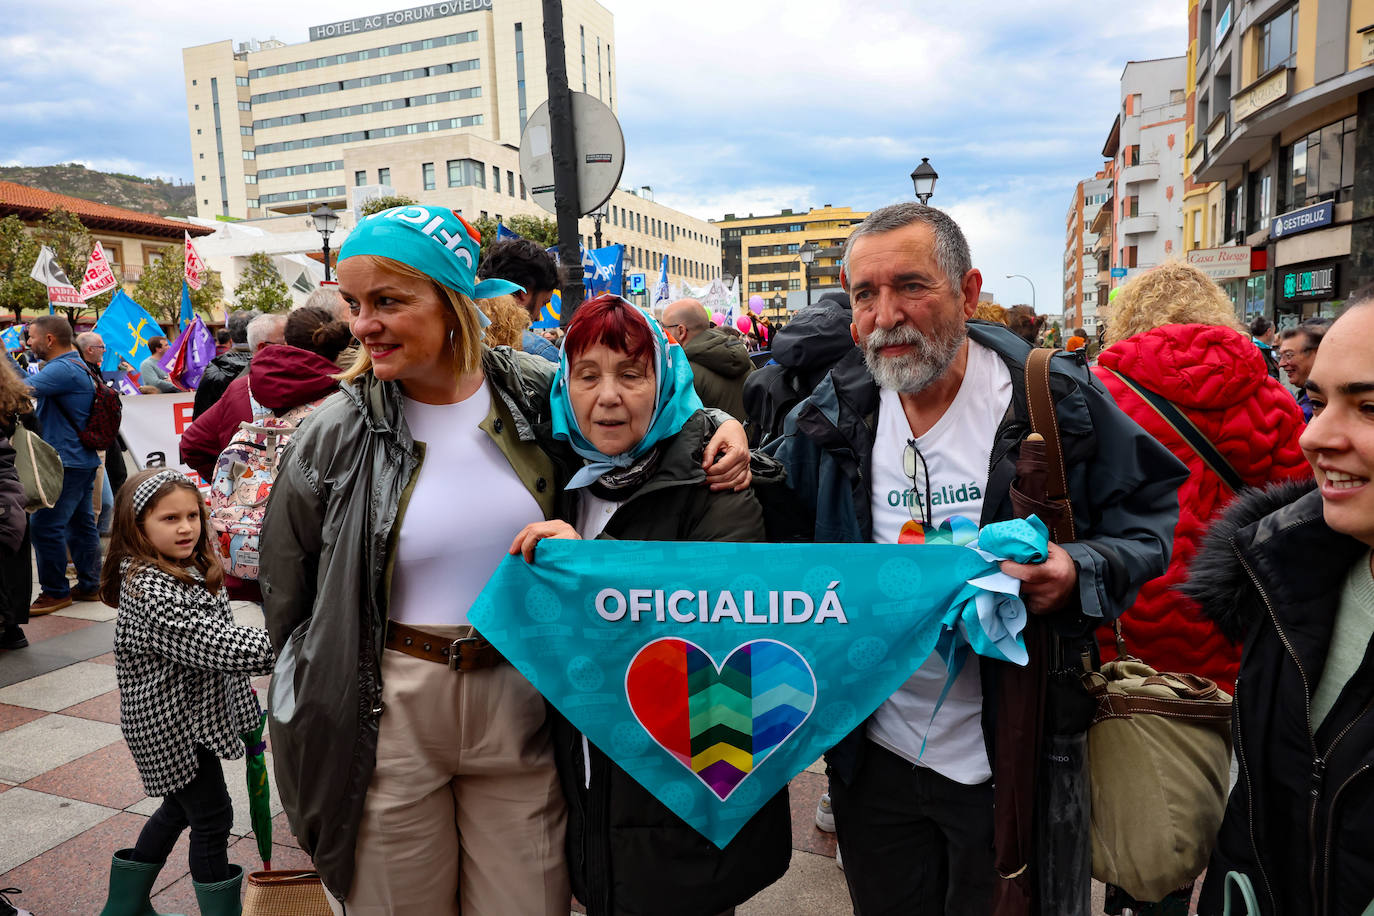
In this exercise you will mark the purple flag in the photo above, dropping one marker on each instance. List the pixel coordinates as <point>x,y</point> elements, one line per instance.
<point>125,385</point>
<point>187,357</point>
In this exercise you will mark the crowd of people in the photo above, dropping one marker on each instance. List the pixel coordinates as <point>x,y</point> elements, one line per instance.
<point>1221,526</point>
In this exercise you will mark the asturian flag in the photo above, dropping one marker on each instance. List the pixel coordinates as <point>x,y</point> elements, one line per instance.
<point>99,277</point>
<point>195,267</point>
<point>661,293</point>
<point>125,326</point>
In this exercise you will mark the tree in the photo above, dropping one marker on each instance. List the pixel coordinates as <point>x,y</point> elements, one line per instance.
<point>378,204</point>
<point>261,286</point>
<point>18,251</point>
<point>71,243</point>
<point>543,232</point>
<point>159,289</point>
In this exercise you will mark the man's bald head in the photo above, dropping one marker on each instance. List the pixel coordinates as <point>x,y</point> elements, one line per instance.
<point>685,319</point>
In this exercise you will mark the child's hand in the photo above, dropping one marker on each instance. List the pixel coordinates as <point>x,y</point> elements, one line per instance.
<point>535,532</point>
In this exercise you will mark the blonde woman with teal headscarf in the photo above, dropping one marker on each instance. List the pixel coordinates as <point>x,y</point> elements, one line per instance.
<point>623,400</point>
<point>415,765</point>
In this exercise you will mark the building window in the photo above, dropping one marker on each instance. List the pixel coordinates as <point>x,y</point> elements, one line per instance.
<point>250,179</point>
<point>522,187</point>
<point>510,183</point>
<point>466,173</point>
<point>1131,155</point>
<point>427,175</point>
<point>384,176</point>
<point>1319,166</point>
<point>359,178</point>
<point>610,83</point>
<point>1278,40</point>
<point>496,178</point>
<point>582,31</point>
<point>245,106</point>
<point>520,77</point>
<point>1258,200</point>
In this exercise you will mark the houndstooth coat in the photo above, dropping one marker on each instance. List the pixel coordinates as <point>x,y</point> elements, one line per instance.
<point>183,667</point>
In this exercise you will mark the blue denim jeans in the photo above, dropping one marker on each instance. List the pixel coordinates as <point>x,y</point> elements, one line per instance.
<point>106,504</point>
<point>68,526</point>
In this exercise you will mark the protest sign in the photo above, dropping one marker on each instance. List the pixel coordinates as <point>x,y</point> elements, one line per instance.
<point>99,277</point>
<point>713,673</point>
<point>152,428</point>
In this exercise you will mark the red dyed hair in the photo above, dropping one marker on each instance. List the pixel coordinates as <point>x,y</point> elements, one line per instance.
<point>612,321</point>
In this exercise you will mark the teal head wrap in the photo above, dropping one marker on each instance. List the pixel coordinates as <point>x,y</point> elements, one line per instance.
<point>675,402</point>
<point>434,240</point>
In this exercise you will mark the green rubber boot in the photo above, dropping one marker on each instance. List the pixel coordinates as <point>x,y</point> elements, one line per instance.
<point>131,884</point>
<point>222,897</point>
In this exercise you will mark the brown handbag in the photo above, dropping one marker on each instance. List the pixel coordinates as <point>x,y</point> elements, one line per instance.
<point>288,892</point>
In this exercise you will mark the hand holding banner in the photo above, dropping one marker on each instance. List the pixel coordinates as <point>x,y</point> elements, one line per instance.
<point>713,673</point>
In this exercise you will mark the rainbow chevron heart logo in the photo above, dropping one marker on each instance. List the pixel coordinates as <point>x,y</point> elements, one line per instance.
<point>720,721</point>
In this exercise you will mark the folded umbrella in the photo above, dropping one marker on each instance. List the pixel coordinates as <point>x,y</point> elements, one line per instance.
<point>259,793</point>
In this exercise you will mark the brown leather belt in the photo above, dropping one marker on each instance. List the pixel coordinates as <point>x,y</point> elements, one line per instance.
<point>466,653</point>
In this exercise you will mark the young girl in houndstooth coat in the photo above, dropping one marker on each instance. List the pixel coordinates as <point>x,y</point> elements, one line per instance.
<point>185,698</point>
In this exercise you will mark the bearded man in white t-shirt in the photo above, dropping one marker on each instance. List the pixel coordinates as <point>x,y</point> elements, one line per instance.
<point>920,425</point>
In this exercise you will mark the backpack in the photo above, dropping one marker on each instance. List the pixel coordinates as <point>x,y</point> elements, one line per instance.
<point>107,411</point>
<point>243,480</point>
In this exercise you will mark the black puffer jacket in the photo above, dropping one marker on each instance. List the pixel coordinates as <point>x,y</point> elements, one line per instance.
<point>805,349</point>
<point>627,853</point>
<point>222,370</point>
<point>1298,822</point>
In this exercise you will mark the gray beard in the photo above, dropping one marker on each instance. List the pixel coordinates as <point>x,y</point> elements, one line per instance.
<point>929,359</point>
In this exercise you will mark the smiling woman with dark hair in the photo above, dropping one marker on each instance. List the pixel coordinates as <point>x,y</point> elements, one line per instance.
<point>1291,571</point>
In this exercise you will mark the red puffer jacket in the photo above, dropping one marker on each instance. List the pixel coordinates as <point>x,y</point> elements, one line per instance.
<point>1218,378</point>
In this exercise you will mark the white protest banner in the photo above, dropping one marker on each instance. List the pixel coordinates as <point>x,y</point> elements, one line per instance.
<point>47,271</point>
<point>99,277</point>
<point>152,428</point>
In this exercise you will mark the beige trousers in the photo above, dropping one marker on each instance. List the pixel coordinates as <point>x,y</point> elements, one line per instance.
<point>464,813</point>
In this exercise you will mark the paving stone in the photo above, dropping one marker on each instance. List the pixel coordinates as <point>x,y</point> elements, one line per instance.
<point>104,708</point>
<point>61,688</point>
<point>73,877</point>
<point>107,659</point>
<point>35,747</point>
<point>180,896</point>
<point>803,792</point>
<point>105,777</point>
<point>57,652</point>
<point>50,625</point>
<point>812,885</point>
<point>247,614</point>
<point>11,716</point>
<point>36,822</point>
<point>237,782</point>
<point>88,610</point>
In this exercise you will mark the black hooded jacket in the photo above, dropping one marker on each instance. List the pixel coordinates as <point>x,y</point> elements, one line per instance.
<point>805,349</point>
<point>1298,821</point>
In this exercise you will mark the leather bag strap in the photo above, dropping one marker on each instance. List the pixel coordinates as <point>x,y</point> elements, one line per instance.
<point>1044,421</point>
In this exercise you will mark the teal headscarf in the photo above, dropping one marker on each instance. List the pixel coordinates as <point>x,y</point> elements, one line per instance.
<point>675,402</point>
<point>434,240</point>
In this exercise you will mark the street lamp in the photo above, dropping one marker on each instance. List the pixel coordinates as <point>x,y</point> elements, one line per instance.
<point>326,220</point>
<point>1032,284</point>
<point>807,253</point>
<point>923,179</point>
<point>598,215</point>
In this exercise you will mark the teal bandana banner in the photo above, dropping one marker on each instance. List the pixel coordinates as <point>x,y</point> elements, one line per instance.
<point>713,673</point>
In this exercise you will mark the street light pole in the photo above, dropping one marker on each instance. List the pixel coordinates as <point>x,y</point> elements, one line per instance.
<point>923,179</point>
<point>1032,286</point>
<point>807,254</point>
<point>325,220</point>
<point>597,216</point>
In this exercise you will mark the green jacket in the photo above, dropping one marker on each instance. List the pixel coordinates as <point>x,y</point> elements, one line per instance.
<point>327,555</point>
<point>720,364</point>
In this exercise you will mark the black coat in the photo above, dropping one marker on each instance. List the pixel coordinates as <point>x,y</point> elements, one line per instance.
<point>1298,822</point>
<point>222,370</point>
<point>627,853</point>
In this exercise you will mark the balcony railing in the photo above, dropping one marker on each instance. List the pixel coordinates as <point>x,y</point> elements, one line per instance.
<point>1145,171</point>
<point>1140,224</point>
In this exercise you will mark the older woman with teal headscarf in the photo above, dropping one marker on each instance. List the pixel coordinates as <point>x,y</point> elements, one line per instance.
<point>415,765</point>
<point>623,400</point>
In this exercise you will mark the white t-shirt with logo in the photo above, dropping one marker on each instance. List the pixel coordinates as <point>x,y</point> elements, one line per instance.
<point>956,450</point>
<point>465,509</point>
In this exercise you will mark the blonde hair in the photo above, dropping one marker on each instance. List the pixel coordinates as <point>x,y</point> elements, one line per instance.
<point>467,334</point>
<point>508,321</point>
<point>1172,293</point>
<point>990,311</point>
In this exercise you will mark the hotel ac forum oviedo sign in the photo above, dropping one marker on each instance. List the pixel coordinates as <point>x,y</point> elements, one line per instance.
<point>397,17</point>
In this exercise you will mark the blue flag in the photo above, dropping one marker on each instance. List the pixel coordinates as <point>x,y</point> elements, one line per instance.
<point>713,673</point>
<point>502,233</point>
<point>661,290</point>
<point>549,314</point>
<point>125,326</point>
<point>186,312</point>
<point>13,337</point>
<point>607,271</point>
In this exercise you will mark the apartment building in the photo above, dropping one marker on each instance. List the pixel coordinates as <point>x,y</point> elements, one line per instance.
<point>765,253</point>
<point>1090,196</point>
<point>1285,115</point>
<point>1145,144</point>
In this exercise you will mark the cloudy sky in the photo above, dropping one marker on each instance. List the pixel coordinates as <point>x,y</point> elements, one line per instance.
<point>730,106</point>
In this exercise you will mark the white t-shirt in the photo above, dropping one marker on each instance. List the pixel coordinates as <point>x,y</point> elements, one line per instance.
<point>593,514</point>
<point>463,513</point>
<point>956,451</point>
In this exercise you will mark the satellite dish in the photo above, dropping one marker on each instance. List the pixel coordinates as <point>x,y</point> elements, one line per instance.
<point>600,150</point>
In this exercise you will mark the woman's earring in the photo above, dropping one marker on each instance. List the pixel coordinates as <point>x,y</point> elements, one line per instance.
<point>451,344</point>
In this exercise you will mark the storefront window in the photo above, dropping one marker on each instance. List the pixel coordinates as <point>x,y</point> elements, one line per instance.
<point>1320,166</point>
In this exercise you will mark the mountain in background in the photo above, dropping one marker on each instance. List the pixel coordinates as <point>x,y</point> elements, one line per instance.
<point>146,195</point>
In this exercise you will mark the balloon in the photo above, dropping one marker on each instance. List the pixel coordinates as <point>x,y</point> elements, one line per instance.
<point>717,319</point>
<point>743,323</point>
<point>756,303</point>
